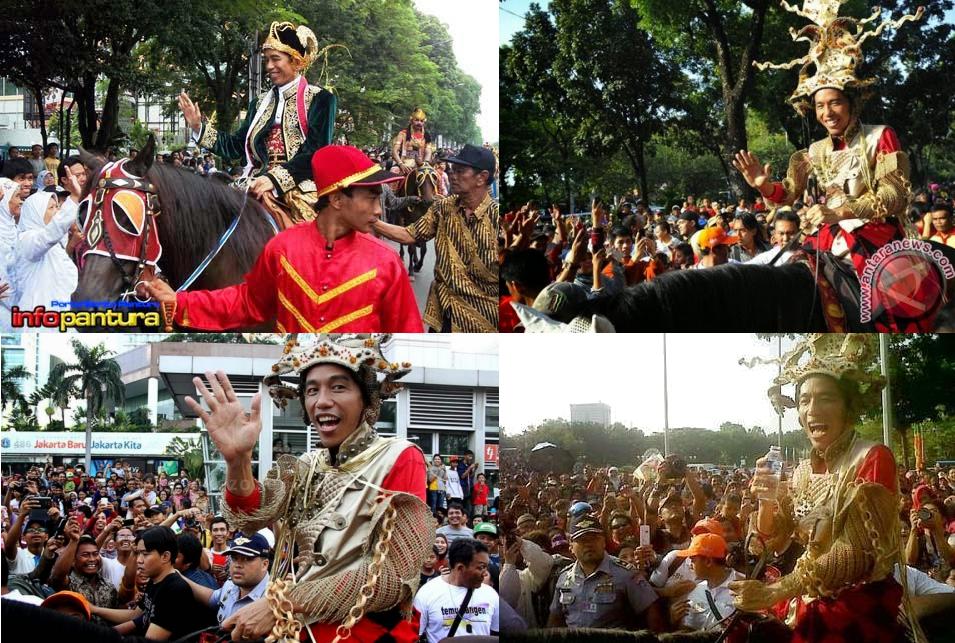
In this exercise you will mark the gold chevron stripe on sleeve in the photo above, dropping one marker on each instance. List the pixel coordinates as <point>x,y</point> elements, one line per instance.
<point>295,313</point>
<point>346,319</point>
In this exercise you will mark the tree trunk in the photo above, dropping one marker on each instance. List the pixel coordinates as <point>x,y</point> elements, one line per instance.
<point>108,118</point>
<point>735,140</point>
<point>38,95</point>
<point>89,430</point>
<point>642,157</point>
<point>84,96</point>
<point>904,432</point>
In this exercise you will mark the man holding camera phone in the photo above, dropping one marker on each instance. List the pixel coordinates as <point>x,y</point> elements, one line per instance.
<point>24,560</point>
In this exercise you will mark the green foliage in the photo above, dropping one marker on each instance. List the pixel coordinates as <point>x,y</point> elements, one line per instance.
<point>190,452</point>
<point>222,338</point>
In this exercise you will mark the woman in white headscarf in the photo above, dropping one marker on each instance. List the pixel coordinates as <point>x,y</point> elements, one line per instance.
<point>45,272</point>
<point>44,180</point>
<point>9,213</point>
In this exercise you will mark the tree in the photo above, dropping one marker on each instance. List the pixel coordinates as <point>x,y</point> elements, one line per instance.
<point>96,375</point>
<point>616,79</point>
<point>10,383</point>
<point>733,35</point>
<point>190,452</point>
<point>61,393</point>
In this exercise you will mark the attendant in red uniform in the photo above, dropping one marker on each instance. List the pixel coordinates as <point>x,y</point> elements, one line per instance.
<point>327,275</point>
<point>355,504</point>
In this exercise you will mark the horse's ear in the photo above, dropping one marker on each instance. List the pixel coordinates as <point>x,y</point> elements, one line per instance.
<point>140,165</point>
<point>89,159</point>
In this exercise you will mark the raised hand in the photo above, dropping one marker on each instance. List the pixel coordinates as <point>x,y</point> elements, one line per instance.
<point>190,111</point>
<point>72,184</point>
<point>233,431</point>
<point>749,166</point>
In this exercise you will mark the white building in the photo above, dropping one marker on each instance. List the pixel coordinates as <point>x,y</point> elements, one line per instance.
<point>594,413</point>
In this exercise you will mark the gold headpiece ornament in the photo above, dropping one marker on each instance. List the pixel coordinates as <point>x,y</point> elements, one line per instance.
<point>846,357</point>
<point>835,48</point>
<point>359,353</point>
<point>418,115</point>
<point>304,38</point>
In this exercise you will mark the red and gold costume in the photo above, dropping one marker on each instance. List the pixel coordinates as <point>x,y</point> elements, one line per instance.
<point>355,515</point>
<point>357,285</point>
<point>843,506</point>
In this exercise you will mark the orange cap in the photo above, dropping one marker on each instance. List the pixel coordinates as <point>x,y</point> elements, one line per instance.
<point>707,545</point>
<point>68,598</point>
<point>708,526</point>
<point>715,236</point>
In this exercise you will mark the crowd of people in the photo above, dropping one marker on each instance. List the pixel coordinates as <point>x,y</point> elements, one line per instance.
<point>73,543</point>
<point>611,547</point>
<point>551,260</point>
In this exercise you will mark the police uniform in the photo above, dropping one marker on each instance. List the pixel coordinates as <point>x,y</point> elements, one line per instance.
<point>615,595</point>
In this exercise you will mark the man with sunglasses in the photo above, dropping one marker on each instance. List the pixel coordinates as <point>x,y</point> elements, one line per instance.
<point>464,293</point>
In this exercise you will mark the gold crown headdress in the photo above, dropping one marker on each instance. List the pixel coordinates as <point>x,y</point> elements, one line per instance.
<point>845,357</point>
<point>418,115</point>
<point>835,47</point>
<point>298,42</point>
<point>359,353</point>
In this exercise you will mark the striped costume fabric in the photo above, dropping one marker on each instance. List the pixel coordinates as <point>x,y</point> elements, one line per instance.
<point>465,286</point>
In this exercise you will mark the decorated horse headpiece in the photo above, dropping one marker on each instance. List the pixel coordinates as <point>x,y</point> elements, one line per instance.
<point>298,42</point>
<point>120,221</point>
<point>358,353</point>
<point>835,48</point>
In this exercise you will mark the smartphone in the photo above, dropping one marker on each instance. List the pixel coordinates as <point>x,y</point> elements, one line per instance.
<point>644,535</point>
<point>597,238</point>
<point>128,522</point>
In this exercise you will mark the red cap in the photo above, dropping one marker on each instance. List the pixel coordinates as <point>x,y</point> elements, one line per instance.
<point>340,166</point>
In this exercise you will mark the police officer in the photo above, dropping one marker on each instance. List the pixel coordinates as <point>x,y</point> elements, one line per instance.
<point>599,590</point>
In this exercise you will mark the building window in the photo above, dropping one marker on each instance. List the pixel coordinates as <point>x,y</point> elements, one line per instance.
<point>424,440</point>
<point>453,443</point>
<point>12,357</point>
<point>388,415</point>
<point>289,442</point>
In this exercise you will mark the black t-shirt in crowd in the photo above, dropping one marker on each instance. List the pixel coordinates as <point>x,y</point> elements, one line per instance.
<point>170,605</point>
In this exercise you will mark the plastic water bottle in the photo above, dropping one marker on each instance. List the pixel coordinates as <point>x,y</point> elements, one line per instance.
<point>773,465</point>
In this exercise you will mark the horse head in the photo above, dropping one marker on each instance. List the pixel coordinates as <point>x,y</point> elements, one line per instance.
<point>121,245</point>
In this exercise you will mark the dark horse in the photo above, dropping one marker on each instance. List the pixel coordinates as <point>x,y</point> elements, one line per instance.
<point>728,298</point>
<point>194,212</point>
<point>423,183</point>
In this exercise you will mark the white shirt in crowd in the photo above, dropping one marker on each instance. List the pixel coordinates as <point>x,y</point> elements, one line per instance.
<point>661,575</point>
<point>113,570</point>
<point>24,562</point>
<point>701,616</point>
<point>439,601</point>
<point>454,484</point>
<point>920,583</point>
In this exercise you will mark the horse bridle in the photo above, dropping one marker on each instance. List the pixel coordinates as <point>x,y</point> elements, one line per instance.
<point>140,274</point>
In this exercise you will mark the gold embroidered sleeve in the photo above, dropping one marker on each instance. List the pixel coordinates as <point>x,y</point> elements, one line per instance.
<point>281,178</point>
<point>208,136</point>
<point>274,494</point>
<point>797,177</point>
<point>891,189</point>
<point>864,545</point>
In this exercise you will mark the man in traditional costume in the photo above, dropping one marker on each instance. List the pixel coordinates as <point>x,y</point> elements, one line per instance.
<point>842,505</point>
<point>464,294</point>
<point>352,527</point>
<point>412,146</point>
<point>322,276</point>
<point>860,170</point>
<point>282,129</point>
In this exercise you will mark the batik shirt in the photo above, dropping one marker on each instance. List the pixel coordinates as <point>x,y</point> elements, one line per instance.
<point>465,286</point>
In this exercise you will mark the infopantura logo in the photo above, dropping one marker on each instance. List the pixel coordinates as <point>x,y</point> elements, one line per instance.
<point>904,280</point>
